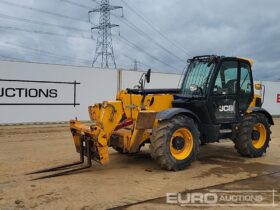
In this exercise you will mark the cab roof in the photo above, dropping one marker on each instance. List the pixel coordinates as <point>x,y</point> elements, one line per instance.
<point>207,57</point>
<point>251,61</point>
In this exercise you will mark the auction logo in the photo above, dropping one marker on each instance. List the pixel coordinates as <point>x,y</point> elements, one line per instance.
<point>236,198</point>
<point>31,92</point>
<point>28,93</point>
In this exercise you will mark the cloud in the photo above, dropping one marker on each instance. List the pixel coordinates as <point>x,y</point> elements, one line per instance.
<point>248,28</point>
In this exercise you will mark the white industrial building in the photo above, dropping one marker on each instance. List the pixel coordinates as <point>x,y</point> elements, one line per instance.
<point>65,92</point>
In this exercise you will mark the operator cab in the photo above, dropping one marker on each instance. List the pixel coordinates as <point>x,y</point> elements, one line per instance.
<point>217,89</point>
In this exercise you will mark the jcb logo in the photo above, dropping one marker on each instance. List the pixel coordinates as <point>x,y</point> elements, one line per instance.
<point>226,108</point>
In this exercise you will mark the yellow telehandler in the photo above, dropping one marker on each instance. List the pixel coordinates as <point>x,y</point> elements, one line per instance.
<point>215,101</point>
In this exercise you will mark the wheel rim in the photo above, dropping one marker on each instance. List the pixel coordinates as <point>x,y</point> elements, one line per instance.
<point>181,143</point>
<point>259,142</point>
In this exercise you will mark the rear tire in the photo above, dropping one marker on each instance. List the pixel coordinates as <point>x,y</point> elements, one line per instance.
<point>175,143</point>
<point>245,143</point>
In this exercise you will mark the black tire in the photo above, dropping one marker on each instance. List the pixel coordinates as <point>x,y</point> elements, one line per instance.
<point>160,142</point>
<point>244,140</point>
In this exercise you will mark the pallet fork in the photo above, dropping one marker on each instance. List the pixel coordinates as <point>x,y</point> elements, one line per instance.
<point>85,150</point>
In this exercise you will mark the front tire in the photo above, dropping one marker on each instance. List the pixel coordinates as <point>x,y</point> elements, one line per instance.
<point>175,143</point>
<point>253,138</point>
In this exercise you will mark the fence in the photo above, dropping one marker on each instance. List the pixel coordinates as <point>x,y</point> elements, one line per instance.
<point>31,92</point>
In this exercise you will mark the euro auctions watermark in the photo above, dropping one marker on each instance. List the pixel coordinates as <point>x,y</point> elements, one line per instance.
<point>231,198</point>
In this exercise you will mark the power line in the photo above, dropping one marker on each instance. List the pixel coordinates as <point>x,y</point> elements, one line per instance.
<point>39,22</point>
<point>60,56</point>
<point>154,28</point>
<point>145,52</point>
<point>33,59</point>
<point>43,32</point>
<point>96,1</point>
<point>51,33</point>
<point>55,55</point>
<point>49,55</point>
<point>45,52</point>
<point>138,30</point>
<point>9,58</point>
<point>75,4</point>
<point>41,11</point>
<point>13,59</point>
<point>139,62</point>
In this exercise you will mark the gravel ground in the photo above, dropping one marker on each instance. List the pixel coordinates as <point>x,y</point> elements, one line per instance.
<point>128,181</point>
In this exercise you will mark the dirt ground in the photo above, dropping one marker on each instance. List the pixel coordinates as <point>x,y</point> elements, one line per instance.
<point>128,181</point>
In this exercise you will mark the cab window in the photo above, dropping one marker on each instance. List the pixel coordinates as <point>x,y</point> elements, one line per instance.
<point>246,90</point>
<point>226,81</point>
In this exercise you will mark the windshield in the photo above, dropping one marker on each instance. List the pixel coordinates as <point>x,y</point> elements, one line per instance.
<point>196,81</point>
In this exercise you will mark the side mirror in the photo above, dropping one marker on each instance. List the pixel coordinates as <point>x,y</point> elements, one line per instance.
<point>258,86</point>
<point>148,76</point>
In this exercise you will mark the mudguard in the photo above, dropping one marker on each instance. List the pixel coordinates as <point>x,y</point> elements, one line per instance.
<point>263,111</point>
<point>169,113</point>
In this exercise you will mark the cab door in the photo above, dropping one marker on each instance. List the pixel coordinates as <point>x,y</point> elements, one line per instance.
<point>246,91</point>
<point>223,102</point>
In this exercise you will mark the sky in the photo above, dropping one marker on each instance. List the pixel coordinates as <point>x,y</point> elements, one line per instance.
<point>158,34</point>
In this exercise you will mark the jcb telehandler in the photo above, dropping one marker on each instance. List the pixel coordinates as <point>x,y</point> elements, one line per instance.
<point>215,101</point>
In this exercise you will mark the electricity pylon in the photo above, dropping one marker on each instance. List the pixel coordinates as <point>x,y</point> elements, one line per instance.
<point>104,43</point>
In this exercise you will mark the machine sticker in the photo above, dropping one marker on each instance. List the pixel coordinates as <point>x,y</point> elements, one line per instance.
<point>226,108</point>
<point>278,98</point>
